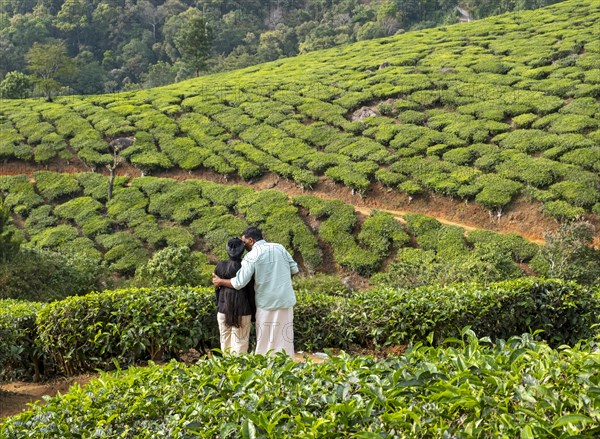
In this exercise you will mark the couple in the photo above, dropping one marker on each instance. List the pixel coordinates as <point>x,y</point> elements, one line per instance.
<point>272,268</point>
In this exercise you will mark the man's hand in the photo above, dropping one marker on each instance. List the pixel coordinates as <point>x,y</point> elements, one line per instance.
<point>218,282</point>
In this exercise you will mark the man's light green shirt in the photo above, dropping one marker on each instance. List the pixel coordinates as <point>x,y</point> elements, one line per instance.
<point>272,267</point>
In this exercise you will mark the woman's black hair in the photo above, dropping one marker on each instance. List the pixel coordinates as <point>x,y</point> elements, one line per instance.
<point>235,248</point>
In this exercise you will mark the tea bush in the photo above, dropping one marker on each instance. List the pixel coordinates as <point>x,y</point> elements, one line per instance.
<point>19,194</point>
<point>563,211</point>
<point>125,325</point>
<point>418,394</point>
<point>82,333</point>
<point>53,185</point>
<point>19,356</point>
<point>380,232</point>
<point>174,266</point>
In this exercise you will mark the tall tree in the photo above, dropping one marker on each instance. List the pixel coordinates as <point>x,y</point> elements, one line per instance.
<point>194,40</point>
<point>49,63</point>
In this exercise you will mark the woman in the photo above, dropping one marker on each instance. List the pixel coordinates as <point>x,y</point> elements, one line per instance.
<point>235,308</point>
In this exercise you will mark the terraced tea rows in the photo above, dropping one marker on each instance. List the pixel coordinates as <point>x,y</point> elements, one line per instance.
<point>484,111</point>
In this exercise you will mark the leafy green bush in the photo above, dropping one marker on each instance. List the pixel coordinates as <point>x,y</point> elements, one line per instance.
<point>568,254</point>
<point>9,244</point>
<point>538,172</point>
<point>326,284</point>
<point>578,194</point>
<point>124,252</point>
<point>126,325</point>
<point>564,310</point>
<point>175,236</point>
<point>44,276</point>
<point>496,192</point>
<point>21,196</point>
<point>443,258</point>
<point>19,357</point>
<point>78,208</point>
<point>563,211</point>
<point>520,249</point>
<point>412,267</point>
<point>350,176</point>
<point>419,224</point>
<point>419,394</point>
<point>336,229</point>
<point>411,187</point>
<point>216,229</point>
<point>54,237</point>
<point>173,266</point>
<point>380,232</point>
<point>490,66</point>
<point>588,158</point>
<point>583,106</point>
<point>133,325</point>
<point>53,185</point>
<point>39,219</point>
<point>125,201</point>
<point>525,120</point>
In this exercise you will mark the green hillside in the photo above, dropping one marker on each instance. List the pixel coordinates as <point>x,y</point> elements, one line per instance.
<point>485,111</point>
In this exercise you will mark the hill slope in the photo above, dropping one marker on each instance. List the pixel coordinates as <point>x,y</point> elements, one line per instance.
<point>483,111</point>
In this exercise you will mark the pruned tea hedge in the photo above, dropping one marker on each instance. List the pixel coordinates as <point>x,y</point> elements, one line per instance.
<point>127,326</point>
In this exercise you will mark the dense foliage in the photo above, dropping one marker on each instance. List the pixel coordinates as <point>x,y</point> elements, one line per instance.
<point>468,388</point>
<point>448,254</point>
<point>128,326</point>
<point>127,45</point>
<point>92,331</point>
<point>44,276</point>
<point>164,232</point>
<point>174,266</point>
<point>569,253</point>
<point>8,244</point>
<point>19,355</point>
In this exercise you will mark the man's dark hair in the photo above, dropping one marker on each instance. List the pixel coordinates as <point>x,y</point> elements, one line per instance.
<point>253,232</point>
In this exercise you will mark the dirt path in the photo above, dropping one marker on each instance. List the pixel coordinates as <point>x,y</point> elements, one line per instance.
<point>524,217</point>
<point>16,396</point>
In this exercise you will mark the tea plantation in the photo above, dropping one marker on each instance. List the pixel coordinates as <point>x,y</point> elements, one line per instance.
<point>498,339</point>
<point>484,111</point>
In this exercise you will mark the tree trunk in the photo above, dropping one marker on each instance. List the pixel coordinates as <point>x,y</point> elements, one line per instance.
<point>111,182</point>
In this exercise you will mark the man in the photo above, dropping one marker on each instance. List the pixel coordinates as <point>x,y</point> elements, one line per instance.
<point>272,267</point>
